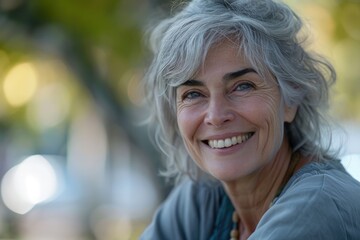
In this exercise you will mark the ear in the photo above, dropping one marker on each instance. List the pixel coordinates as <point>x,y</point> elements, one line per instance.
<point>290,113</point>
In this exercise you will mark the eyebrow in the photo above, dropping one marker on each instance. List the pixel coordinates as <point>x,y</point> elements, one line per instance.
<point>227,77</point>
<point>233,75</point>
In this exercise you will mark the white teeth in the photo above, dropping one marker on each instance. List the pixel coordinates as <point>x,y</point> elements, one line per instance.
<point>228,142</point>
<point>220,144</point>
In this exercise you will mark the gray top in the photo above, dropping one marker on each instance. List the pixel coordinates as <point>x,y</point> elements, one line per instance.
<point>320,201</point>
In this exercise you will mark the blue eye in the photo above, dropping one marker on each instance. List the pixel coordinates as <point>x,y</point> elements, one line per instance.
<point>191,95</point>
<point>244,87</point>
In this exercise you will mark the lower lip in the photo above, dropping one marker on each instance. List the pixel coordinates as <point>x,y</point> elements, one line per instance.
<point>232,149</point>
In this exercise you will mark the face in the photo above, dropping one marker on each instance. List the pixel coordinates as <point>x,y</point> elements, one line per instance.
<point>231,120</point>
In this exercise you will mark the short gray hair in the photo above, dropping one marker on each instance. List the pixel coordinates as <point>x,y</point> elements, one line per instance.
<point>269,34</point>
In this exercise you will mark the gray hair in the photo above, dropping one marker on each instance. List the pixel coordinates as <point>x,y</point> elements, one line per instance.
<point>269,34</point>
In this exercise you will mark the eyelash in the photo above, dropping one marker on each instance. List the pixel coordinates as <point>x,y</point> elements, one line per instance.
<point>190,94</point>
<point>248,85</point>
<point>187,95</point>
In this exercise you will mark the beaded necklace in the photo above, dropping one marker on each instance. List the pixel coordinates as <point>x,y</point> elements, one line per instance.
<point>234,233</point>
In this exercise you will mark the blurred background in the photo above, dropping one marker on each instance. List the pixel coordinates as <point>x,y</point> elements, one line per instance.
<point>75,161</point>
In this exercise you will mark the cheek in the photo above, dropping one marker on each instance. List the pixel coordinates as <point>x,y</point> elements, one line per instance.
<point>261,108</point>
<point>188,124</point>
<point>186,120</point>
<point>271,107</point>
<point>274,118</point>
<point>267,114</point>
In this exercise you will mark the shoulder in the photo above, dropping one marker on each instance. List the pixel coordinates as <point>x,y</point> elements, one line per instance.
<point>182,214</point>
<point>320,201</point>
<point>326,180</point>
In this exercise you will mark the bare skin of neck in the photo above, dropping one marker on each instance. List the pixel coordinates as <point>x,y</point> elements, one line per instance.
<point>252,195</point>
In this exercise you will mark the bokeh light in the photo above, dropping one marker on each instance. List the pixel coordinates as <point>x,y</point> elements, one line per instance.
<point>29,183</point>
<point>20,84</point>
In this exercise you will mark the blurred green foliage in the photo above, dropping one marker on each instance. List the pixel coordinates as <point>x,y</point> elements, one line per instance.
<point>99,42</point>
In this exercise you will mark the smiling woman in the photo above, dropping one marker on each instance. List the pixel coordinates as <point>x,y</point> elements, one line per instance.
<point>240,111</point>
<point>225,104</point>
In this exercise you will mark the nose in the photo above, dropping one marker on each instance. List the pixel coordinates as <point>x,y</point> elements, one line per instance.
<point>218,113</point>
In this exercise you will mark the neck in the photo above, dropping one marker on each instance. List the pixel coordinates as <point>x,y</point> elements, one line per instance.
<point>253,195</point>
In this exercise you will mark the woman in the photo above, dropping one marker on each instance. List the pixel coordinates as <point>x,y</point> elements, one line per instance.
<point>239,109</point>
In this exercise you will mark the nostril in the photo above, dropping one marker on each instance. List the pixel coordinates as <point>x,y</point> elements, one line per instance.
<point>219,120</point>
<point>218,112</point>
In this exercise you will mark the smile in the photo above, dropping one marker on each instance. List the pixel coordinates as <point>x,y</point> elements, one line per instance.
<point>228,142</point>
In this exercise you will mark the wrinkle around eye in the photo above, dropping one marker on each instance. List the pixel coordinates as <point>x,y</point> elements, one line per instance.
<point>244,87</point>
<point>183,102</point>
<point>181,105</point>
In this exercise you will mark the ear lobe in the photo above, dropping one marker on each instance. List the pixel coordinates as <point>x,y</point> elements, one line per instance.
<point>290,113</point>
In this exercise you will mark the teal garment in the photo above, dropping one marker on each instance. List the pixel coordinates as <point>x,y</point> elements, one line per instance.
<point>320,201</point>
<point>188,213</point>
<point>224,223</point>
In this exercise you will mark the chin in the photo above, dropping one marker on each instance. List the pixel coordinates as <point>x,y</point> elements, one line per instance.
<point>230,171</point>
<point>227,175</point>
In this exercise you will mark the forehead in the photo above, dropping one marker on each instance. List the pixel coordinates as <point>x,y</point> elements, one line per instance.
<point>226,56</point>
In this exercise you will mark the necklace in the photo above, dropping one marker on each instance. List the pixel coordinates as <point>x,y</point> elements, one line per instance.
<point>295,157</point>
<point>234,234</point>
